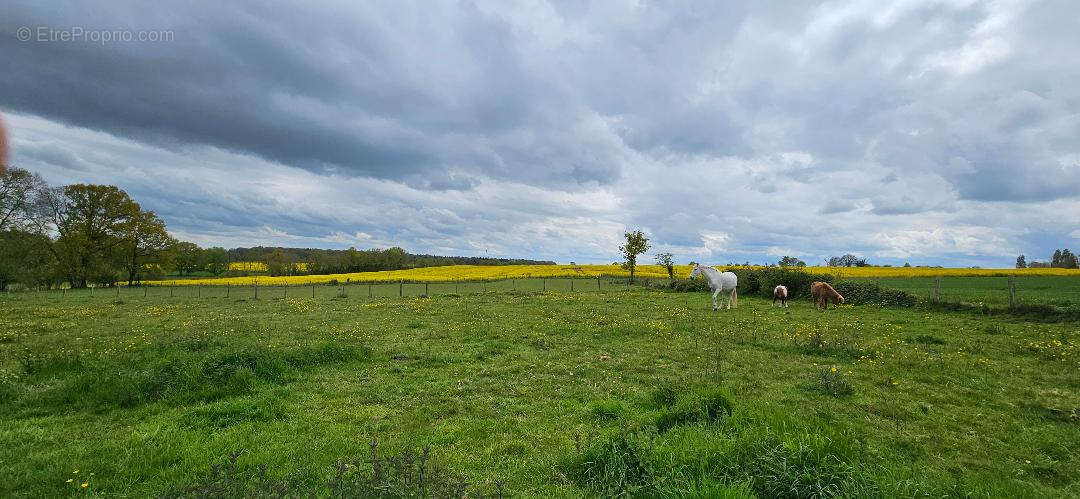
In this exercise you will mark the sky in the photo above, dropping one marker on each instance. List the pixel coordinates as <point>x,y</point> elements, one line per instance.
<point>929,132</point>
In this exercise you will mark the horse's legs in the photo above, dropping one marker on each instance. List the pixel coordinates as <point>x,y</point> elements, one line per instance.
<point>714,306</point>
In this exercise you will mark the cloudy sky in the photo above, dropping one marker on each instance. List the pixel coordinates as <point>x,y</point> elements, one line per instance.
<point>930,132</point>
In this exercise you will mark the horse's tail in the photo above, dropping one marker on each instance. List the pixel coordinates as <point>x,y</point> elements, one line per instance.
<point>735,296</point>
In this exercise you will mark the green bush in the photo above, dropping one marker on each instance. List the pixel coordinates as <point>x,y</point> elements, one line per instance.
<point>761,282</point>
<point>753,282</point>
<point>869,293</point>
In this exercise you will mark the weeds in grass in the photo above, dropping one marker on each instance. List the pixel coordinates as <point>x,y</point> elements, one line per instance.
<point>701,405</point>
<point>831,380</point>
<point>401,475</point>
<point>187,370</point>
<point>607,410</point>
<point>736,454</point>
<point>407,474</point>
<point>928,339</point>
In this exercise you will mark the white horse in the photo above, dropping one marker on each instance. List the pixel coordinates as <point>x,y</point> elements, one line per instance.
<point>719,282</point>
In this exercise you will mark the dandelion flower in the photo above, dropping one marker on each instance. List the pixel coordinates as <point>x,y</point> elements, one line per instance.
<point>85,485</point>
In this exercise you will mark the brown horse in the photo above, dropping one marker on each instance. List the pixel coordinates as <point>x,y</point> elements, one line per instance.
<point>824,293</point>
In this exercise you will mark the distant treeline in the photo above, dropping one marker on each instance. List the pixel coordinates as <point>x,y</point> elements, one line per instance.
<point>287,261</point>
<point>84,234</point>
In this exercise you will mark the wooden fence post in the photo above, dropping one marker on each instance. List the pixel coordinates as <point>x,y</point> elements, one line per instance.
<point>401,289</point>
<point>198,290</point>
<point>425,289</point>
<point>571,284</point>
<point>312,291</point>
<point>937,288</point>
<point>255,285</point>
<point>598,284</point>
<point>227,287</point>
<point>545,284</point>
<point>171,291</point>
<point>1012,292</point>
<point>144,288</point>
<point>370,293</point>
<point>285,292</point>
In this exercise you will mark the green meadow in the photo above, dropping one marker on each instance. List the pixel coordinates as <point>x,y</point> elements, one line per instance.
<point>528,393</point>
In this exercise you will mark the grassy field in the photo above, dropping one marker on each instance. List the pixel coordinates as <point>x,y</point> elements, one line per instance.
<point>1059,291</point>
<point>550,394</point>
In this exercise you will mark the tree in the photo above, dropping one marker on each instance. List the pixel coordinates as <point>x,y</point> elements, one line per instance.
<point>145,239</point>
<point>790,261</point>
<point>279,263</point>
<point>1055,261</point>
<point>1068,259</point>
<point>25,259</point>
<point>665,260</point>
<point>90,223</point>
<point>217,260</point>
<point>20,199</point>
<point>636,243</point>
<point>1021,262</point>
<point>848,260</point>
<point>187,257</point>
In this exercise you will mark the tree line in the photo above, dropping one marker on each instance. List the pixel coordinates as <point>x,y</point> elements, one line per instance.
<point>85,234</point>
<point>1061,259</point>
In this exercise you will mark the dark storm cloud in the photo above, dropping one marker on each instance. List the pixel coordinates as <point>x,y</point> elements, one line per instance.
<point>533,127</point>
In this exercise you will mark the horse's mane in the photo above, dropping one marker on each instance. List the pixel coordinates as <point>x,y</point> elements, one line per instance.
<point>706,268</point>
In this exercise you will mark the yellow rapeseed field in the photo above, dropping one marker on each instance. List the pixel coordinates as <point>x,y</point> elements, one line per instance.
<point>248,266</point>
<point>497,272</point>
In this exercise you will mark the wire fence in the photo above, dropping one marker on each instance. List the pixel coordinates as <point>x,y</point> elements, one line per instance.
<point>352,289</point>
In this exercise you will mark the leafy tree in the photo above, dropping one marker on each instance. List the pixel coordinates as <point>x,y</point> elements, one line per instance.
<point>790,261</point>
<point>187,257</point>
<point>848,260</point>
<point>1021,262</point>
<point>666,260</point>
<point>216,260</point>
<point>1068,259</point>
<point>1055,261</point>
<point>25,259</point>
<point>279,263</point>
<point>395,258</point>
<point>636,243</point>
<point>90,222</point>
<point>20,199</point>
<point>145,239</point>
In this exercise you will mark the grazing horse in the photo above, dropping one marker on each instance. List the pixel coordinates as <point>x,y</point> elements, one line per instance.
<point>719,282</point>
<point>780,293</point>
<point>824,293</point>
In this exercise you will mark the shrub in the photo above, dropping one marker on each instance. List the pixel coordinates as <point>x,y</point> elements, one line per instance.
<point>760,282</point>
<point>869,293</point>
